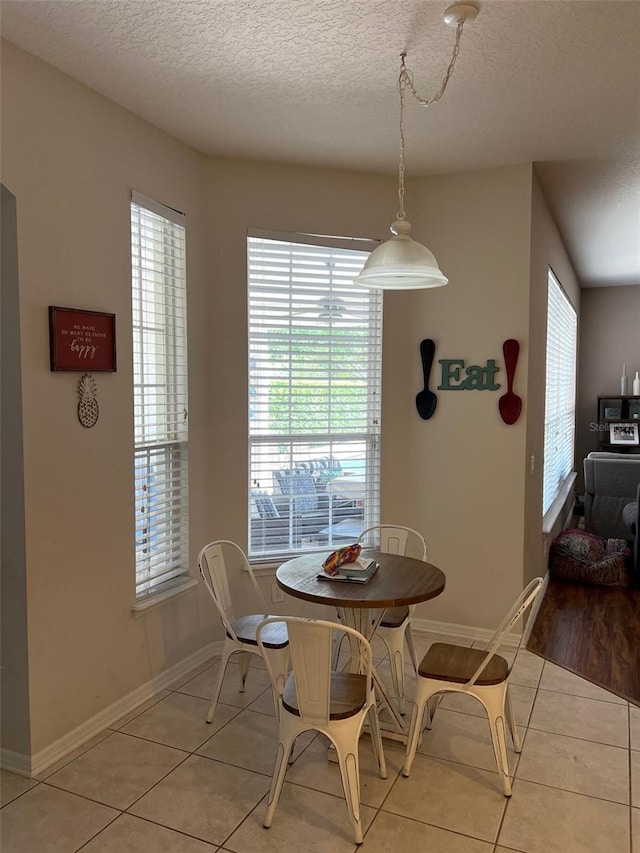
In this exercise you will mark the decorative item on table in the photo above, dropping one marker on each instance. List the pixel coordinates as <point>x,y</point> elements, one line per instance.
<point>360,569</point>
<point>612,413</point>
<point>338,558</point>
<point>346,564</point>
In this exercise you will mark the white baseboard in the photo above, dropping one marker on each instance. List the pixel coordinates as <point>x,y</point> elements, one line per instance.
<point>463,633</point>
<point>25,765</point>
<point>15,762</point>
<point>33,765</point>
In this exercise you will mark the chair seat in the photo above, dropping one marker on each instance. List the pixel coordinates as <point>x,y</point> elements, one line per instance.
<point>273,637</point>
<point>394,617</point>
<point>348,695</point>
<point>446,662</point>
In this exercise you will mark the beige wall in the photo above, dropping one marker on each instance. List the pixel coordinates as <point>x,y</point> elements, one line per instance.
<point>609,338</point>
<point>459,476</point>
<point>71,157</point>
<point>547,250</point>
<point>479,498</point>
<point>15,732</point>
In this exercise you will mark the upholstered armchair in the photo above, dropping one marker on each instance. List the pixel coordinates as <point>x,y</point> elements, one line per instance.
<point>611,482</point>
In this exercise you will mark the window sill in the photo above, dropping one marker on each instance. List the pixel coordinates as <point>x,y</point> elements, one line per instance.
<point>266,567</point>
<point>154,600</point>
<point>551,516</point>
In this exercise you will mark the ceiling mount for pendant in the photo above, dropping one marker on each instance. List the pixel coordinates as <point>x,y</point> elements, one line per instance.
<point>401,263</point>
<point>459,14</point>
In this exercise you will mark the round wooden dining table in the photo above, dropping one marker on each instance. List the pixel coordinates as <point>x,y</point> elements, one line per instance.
<point>399,582</point>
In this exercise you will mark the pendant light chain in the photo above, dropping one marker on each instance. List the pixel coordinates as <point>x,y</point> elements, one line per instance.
<point>402,85</point>
<point>405,81</point>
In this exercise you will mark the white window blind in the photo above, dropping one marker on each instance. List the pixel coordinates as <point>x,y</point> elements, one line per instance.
<point>160,395</point>
<point>315,343</point>
<point>560,396</point>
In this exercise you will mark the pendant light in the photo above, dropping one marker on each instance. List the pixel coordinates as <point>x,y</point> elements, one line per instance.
<point>401,263</point>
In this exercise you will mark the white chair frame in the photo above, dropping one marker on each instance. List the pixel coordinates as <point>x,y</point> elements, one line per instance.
<point>494,697</point>
<point>212,567</point>
<point>394,539</point>
<point>310,646</point>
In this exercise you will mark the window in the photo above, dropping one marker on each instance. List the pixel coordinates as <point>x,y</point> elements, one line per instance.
<point>160,394</point>
<point>560,397</point>
<point>315,343</point>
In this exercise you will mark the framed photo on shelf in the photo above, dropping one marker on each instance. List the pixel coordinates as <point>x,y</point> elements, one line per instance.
<point>634,409</point>
<point>612,413</point>
<point>623,434</point>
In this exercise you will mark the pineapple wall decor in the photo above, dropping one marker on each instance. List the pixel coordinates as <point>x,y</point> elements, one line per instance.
<point>88,405</point>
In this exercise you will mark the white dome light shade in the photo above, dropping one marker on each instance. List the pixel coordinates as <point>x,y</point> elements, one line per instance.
<point>400,264</point>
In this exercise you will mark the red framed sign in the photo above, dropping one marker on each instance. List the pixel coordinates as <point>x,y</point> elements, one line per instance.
<point>82,340</point>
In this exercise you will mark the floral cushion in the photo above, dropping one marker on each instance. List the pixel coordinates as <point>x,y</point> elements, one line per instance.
<point>583,557</point>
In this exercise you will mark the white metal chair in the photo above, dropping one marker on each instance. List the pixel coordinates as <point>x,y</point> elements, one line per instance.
<point>240,632</point>
<point>318,698</point>
<point>481,674</point>
<point>395,626</point>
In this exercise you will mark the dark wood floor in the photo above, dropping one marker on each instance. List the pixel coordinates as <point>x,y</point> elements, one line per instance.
<point>594,632</point>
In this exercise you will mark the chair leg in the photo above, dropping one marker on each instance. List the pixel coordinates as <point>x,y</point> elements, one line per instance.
<point>494,703</point>
<point>508,708</point>
<point>432,706</point>
<point>414,732</point>
<point>346,744</point>
<point>245,663</point>
<point>394,641</point>
<point>285,745</point>
<point>226,654</point>
<point>412,649</point>
<point>376,740</point>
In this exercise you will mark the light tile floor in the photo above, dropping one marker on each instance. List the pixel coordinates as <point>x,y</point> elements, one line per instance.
<point>161,779</point>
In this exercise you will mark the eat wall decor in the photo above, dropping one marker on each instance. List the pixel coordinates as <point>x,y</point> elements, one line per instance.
<point>456,375</point>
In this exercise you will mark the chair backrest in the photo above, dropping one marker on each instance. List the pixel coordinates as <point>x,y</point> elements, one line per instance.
<point>525,600</point>
<point>395,539</point>
<point>213,570</point>
<point>311,652</point>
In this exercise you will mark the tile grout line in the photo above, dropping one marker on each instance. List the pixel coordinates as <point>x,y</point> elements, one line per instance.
<point>377,810</point>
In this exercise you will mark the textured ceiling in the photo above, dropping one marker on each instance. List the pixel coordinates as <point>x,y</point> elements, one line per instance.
<point>313,82</point>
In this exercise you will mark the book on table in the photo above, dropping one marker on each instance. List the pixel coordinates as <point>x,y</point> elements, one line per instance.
<point>359,571</point>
